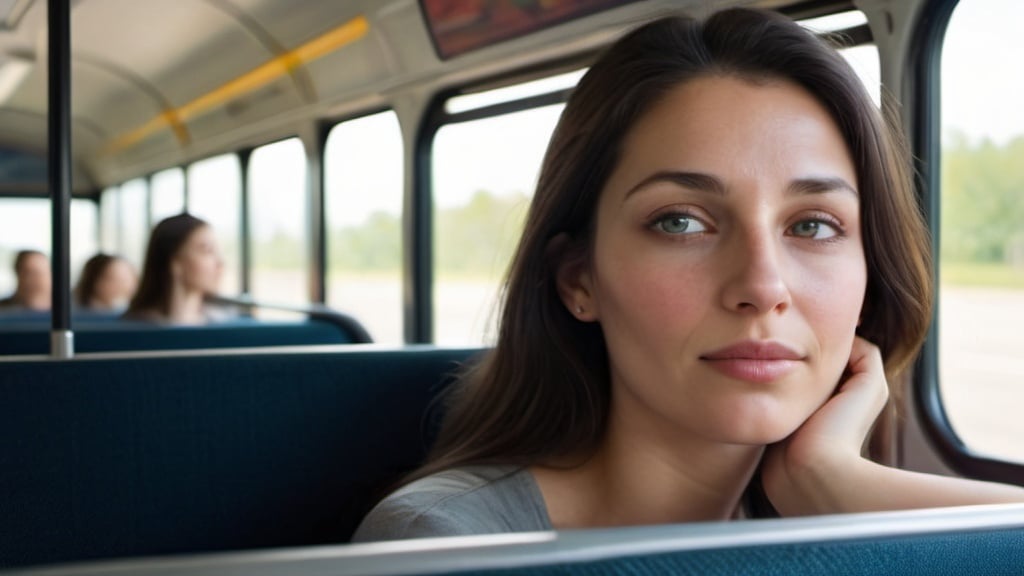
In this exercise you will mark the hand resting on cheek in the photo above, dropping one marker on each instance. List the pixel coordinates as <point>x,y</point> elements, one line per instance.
<point>819,469</point>
<point>802,473</point>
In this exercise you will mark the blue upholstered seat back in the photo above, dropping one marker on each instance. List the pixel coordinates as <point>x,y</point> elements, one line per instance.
<point>105,458</point>
<point>22,338</point>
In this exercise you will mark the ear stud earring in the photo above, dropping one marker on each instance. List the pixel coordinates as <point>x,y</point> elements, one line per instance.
<point>579,309</point>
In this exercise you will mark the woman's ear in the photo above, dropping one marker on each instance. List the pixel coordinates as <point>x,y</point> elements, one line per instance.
<point>572,277</point>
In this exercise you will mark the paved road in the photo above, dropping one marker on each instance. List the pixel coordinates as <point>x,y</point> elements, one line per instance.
<point>981,367</point>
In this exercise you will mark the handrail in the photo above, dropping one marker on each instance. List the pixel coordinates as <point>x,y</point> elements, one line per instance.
<point>316,311</point>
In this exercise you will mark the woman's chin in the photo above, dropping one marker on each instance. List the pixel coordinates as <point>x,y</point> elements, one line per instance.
<point>758,433</point>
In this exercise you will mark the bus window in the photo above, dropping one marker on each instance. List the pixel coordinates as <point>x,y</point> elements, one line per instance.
<point>134,221</point>
<point>167,194</point>
<point>26,223</point>
<point>363,197</point>
<point>278,220</point>
<point>215,195</point>
<point>484,173</point>
<point>20,220</point>
<point>84,225</point>
<point>110,220</point>
<point>981,252</point>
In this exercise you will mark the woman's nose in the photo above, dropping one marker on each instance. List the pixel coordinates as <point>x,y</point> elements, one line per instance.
<point>755,282</point>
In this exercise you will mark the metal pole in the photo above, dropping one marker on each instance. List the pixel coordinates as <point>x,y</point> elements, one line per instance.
<point>59,156</point>
<point>317,218</point>
<point>244,230</point>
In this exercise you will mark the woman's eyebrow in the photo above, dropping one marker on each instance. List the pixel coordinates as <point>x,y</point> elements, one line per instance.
<point>821,185</point>
<point>701,182</point>
<point>692,180</point>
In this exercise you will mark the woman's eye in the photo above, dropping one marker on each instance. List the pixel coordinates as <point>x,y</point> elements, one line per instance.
<point>679,224</point>
<point>814,229</point>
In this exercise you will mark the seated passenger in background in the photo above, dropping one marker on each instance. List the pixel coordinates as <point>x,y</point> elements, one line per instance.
<point>107,283</point>
<point>33,291</point>
<point>183,266</point>
<point>722,268</point>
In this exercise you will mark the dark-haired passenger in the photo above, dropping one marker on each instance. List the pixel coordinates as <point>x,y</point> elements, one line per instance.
<point>106,284</point>
<point>183,266</point>
<point>722,269</point>
<point>34,283</point>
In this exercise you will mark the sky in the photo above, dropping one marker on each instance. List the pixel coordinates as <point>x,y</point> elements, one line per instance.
<point>982,78</point>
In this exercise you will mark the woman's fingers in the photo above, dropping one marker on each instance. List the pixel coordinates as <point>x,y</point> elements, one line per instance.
<point>848,415</point>
<point>803,473</point>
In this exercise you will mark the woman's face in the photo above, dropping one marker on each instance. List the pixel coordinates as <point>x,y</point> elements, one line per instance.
<point>115,286</point>
<point>727,270</point>
<point>198,265</point>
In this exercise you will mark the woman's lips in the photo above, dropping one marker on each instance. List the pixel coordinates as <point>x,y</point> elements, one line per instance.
<point>754,361</point>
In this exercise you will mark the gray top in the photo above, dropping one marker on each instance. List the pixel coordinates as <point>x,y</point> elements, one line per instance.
<point>460,501</point>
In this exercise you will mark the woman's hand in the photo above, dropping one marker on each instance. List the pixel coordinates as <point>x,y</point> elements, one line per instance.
<point>811,471</point>
<point>819,468</point>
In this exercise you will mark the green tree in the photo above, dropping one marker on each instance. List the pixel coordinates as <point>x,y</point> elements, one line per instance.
<point>475,239</point>
<point>478,238</point>
<point>281,251</point>
<point>373,245</point>
<point>982,199</point>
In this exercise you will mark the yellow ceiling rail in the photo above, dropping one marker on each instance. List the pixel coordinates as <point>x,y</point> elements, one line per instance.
<point>261,75</point>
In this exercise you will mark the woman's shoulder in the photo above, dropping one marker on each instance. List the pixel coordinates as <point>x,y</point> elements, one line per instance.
<point>459,501</point>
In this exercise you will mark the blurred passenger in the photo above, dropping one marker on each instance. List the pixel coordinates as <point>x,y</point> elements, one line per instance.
<point>107,283</point>
<point>33,291</point>
<point>182,267</point>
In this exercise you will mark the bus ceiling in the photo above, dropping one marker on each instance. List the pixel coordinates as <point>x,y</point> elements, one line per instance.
<point>162,83</point>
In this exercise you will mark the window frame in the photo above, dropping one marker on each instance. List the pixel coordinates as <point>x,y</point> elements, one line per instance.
<point>925,62</point>
<point>418,255</point>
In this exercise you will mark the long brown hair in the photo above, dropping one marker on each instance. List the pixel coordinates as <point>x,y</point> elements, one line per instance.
<point>543,393</point>
<point>93,270</point>
<point>166,240</point>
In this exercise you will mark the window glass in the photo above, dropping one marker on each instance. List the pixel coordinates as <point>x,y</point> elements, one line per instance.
<point>26,226</point>
<point>981,254</point>
<point>278,220</point>
<point>167,194</point>
<point>83,241</point>
<point>26,223</point>
<point>215,195</point>
<point>363,164</point>
<point>546,85</point>
<point>110,220</point>
<point>484,174</point>
<point>134,221</point>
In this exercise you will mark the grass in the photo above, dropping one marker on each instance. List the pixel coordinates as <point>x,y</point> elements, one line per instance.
<point>988,274</point>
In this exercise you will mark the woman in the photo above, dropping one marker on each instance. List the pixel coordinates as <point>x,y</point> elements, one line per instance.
<point>722,264</point>
<point>107,283</point>
<point>183,266</point>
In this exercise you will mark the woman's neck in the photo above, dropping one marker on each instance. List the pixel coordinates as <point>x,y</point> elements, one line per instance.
<point>186,307</point>
<point>641,475</point>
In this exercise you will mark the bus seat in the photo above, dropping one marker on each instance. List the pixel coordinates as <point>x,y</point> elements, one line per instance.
<point>174,453</point>
<point>106,336</point>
